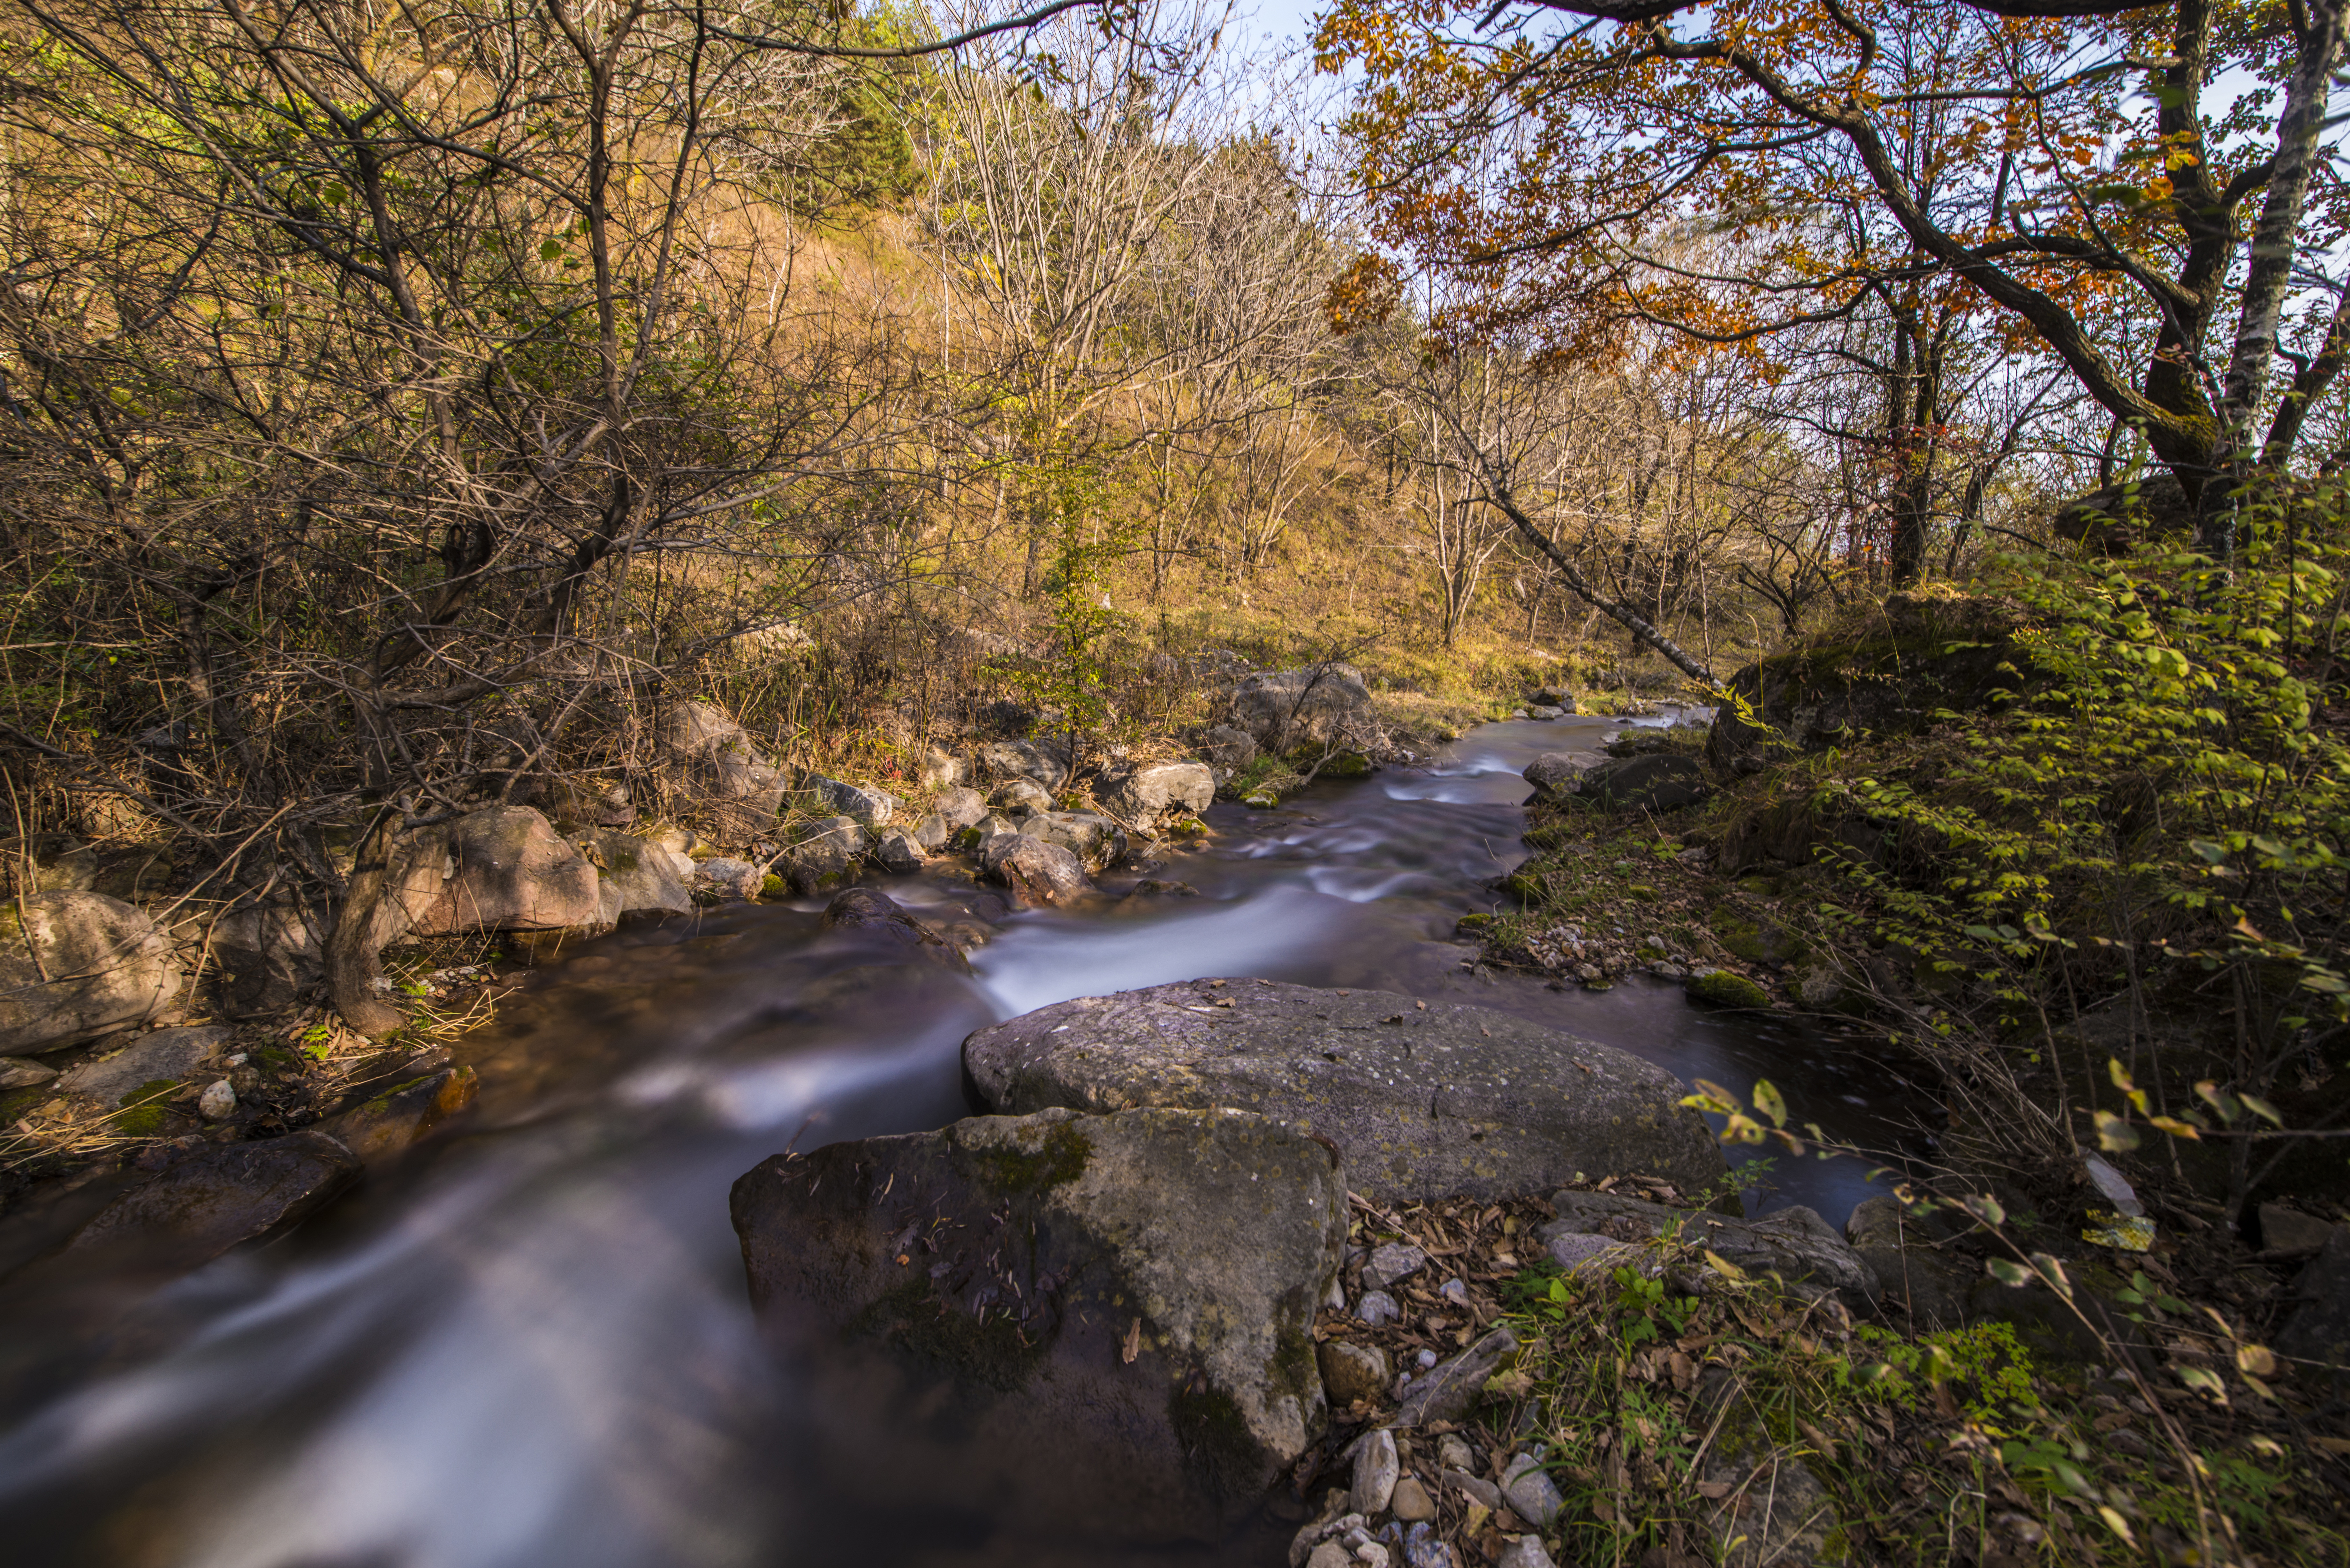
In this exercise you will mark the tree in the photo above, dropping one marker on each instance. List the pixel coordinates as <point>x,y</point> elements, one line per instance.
<point>1587,165</point>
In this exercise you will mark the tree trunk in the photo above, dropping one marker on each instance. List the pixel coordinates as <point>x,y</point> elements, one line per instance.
<point>353,949</point>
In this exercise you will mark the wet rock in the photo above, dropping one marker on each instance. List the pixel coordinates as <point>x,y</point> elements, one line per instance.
<point>1376,1472</point>
<point>866,909</point>
<point>1378,1307</point>
<point>223,1195</point>
<point>1145,793</point>
<point>708,759</point>
<point>23,1073</point>
<point>1447,1392</point>
<point>74,966</point>
<point>826,856</point>
<point>2318,1326</point>
<point>1021,797</point>
<point>383,1127</point>
<point>1410,1501</point>
<point>1555,772</point>
<point>1390,1261</point>
<point>868,807</point>
<point>172,1053</point>
<point>1724,989</point>
<point>897,852</point>
<point>958,808</point>
<point>1325,705</point>
<point>1043,763</point>
<point>1770,1510</point>
<point>1092,838</point>
<point>1040,873</point>
<point>268,952</point>
<point>728,879</point>
<point>1533,1495</point>
<point>1424,1105</point>
<point>502,868</point>
<point>1140,1360</point>
<point>632,877</point>
<point>1352,1372</point>
<point>218,1102</point>
<point>1795,1244</point>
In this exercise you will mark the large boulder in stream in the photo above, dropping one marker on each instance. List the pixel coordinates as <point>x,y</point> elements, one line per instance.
<point>503,869</point>
<point>1038,872</point>
<point>1425,1101</point>
<point>222,1197</point>
<point>1099,1324</point>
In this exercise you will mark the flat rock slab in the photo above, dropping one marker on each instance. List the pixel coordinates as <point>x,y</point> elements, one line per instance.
<point>1793,1243</point>
<point>218,1198</point>
<point>1424,1105</point>
<point>174,1054</point>
<point>1106,1323</point>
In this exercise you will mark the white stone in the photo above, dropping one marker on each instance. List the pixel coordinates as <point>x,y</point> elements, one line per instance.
<point>218,1100</point>
<point>1376,1469</point>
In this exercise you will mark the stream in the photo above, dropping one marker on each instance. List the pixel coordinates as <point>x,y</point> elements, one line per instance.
<point>530,1344</point>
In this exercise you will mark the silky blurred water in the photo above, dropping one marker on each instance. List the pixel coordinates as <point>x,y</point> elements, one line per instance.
<point>531,1346</point>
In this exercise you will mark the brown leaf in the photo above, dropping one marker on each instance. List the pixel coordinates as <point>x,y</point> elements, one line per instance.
<point>1133,1345</point>
<point>1714,1492</point>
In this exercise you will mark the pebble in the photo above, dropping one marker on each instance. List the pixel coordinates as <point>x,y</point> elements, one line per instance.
<point>1533,1495</point>
<point>1421,1549</point>
<point>218,1101</point>
<point>1337,1300</point>
<point>1454,1454</point>
<point>1378,1307</point>
<point>1372,1552</point>
<point>1329,1555</point>
<point>1526,1552</point>
<point>1390,1261</point>
<point>1375,1474</point>
<point>1425,1359</point>
<point>1454,1290</point>
<point>1410,1501</point>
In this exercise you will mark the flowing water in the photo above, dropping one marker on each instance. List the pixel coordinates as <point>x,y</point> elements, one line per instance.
<point>530,1346</point>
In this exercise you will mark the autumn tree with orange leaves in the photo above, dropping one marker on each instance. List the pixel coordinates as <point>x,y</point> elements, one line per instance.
<point>2144,200</point>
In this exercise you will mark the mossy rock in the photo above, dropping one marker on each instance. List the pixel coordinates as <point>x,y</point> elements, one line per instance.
<point>1526,886</point>
<point>1640,892</point>
<point>1757,941</point>
<point>1467,924</point>
<point>772,887</point>
<point>1260,800</point>
<point>1719,988</point>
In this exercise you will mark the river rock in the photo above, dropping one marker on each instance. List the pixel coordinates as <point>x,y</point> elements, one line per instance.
<point>269,952</point>
<point>1533,1495</point>
<point>826,856</point>
<point>897,852</point>
<point>1424,1105</point>
<point>1326,705</point>
<point>1932,1286</point>
<point>1352,1372</point>
<point>502,868</point>
<point>1043,763</point>
<point>1447,1390</point>
<point>1555,772</point>
<point>1229,749</point>
<point>1390,1261</point>
<point>1524,1552</point>
<point>869,910</point>
<point>1021,797</point>
<point>223,1195</point>
<point>165,1053</point>
<point>729,880</point>
<point>1793,1243</point>
<point>1142,795</point>
<point>930,834</point>
<point>1659,782</point>
<point>632,877</point>
<point>1376,1469</point>
<point>382,1128</point>
<point>23,1073</point>
<point>218,1102</point>
<point>869,807</point>
<point>1092,838</point>
<point>77,965</point>
<point>959,808</point>
<point>1115,1312</point>
<point>1040,873</point>
<point>710,760</point>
